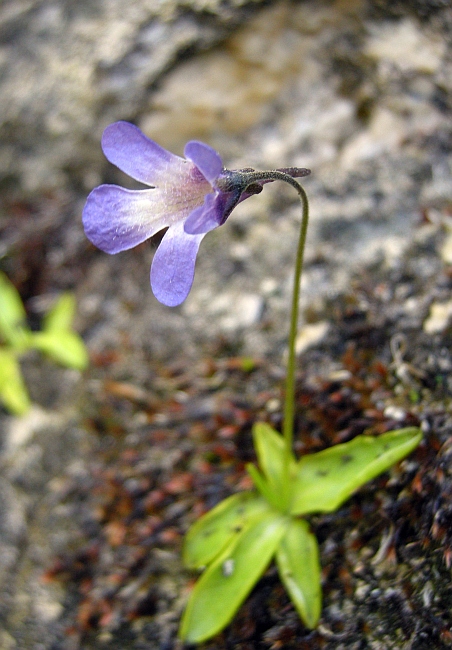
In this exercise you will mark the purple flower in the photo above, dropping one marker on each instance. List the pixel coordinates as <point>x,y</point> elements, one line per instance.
<point>190,196</point>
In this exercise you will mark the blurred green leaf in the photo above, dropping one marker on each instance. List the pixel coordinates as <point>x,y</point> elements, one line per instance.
<point>61,315</point>
<point>270,450</point>
<point>217,528</point>
<point>262,485</point>
<point>66,348</point>
<point>13,392</point>
<point>326,479</point>
<point>226,583</point>
<point>12,313</point>
<point>297,558</point>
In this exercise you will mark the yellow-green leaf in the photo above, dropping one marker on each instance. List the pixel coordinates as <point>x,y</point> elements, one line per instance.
<point>67,348</point>
<point>12,312</point>
<point>297,558</point>
<point>217,528</point>
<point>270,450</point>
<point>61,315</point>
<point>13,391</point>
<point>229,579</point>
<point>326,479</point>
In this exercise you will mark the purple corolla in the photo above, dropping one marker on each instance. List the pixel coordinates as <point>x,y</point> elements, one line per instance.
<point>190,196</point>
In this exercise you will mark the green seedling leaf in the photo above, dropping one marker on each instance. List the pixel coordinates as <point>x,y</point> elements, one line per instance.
<point>61,315</point>
<point>270,450</point>
<point>13,392</point>
<point>11,307</point>
<point>297,558</point>
<point>326,479</point>
<point>229,579</point>
<point>217,529</point>
<point>263,486</point>
<point>12,313</point>
<point>66,348</point>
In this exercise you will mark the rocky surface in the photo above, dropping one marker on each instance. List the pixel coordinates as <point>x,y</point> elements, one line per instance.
<point>358,91</point>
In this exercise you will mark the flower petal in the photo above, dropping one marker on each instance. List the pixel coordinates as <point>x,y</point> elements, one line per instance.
<point>116,219</point>
<point>203,218</point>
<point>173,266</point>
<point>216,209</point>
<point>125,146</point>
<point>205,158</point>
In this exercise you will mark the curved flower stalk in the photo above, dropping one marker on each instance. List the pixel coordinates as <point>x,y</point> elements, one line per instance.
<point>190,196</point>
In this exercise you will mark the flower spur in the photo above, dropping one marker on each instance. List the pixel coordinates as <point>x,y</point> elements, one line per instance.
<point>189,196</point>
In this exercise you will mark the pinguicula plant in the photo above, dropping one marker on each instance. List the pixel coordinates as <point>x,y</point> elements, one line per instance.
<point>234,543</point>
<point>56,339</point>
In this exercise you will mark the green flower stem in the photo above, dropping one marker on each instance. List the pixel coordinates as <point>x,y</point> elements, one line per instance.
<point>289,400</point>
<point>289,403</point>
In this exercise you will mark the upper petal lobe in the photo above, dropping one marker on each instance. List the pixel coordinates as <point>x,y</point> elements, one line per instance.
<point>125,146</point>
<point>206,159</point>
